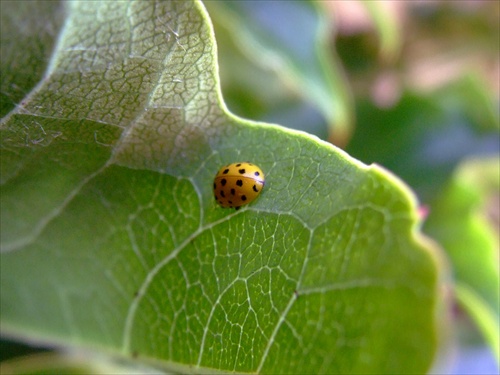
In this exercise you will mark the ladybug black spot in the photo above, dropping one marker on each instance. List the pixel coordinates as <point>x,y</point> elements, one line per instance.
<point>254,188</point>
<point>223,182</point>
<point>241,171</point>
<point>225,171</point>
<point>243,198</point>
<point>233,192</point>
<point>256,174</point>
<point>239,183</point>
<point>222,194</point>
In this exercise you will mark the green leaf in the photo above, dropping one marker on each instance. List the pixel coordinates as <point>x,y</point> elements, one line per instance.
<point>70,364</point>
<point>482,314</point>
<point>459,221</point>
<point>111,239</point>
<point>388,29</point>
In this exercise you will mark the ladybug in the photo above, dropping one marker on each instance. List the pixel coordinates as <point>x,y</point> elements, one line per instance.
<point>238,184</point>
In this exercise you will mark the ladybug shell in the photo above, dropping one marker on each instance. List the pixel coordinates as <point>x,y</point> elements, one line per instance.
<point>238,184</point>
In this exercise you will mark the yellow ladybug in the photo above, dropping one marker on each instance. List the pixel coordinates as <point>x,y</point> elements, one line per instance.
<point>238,184</point>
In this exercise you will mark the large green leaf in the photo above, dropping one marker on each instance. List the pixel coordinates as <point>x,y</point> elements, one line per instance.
<point>111,239</point>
